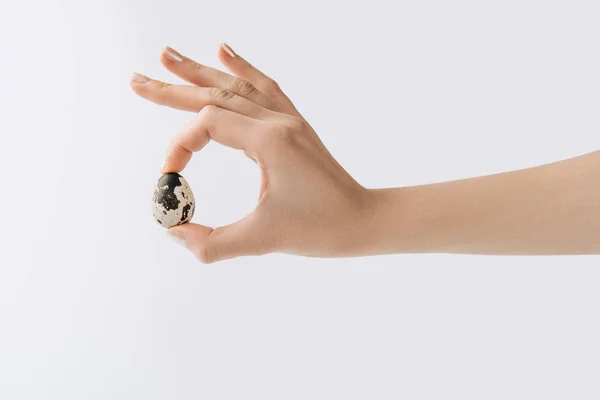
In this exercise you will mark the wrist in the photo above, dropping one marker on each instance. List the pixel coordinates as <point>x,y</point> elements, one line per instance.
<point>406,220</point>
<point>386,221</point>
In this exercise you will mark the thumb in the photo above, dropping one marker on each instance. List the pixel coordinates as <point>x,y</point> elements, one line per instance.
<point>209,245</point>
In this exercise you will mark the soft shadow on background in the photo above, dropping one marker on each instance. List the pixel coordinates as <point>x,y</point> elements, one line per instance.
<point>97,303</point>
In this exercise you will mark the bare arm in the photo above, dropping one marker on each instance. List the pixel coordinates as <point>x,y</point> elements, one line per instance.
<point>309,205</point>
<point>551,209</point>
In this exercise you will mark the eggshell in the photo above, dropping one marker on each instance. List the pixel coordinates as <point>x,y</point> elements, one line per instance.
<point>173,202</point>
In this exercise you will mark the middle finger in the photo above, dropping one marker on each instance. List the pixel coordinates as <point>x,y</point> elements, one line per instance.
<point>192,98</point>
<point>202,75</point>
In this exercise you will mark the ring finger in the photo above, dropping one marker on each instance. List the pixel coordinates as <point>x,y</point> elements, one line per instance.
<point>193,98</point>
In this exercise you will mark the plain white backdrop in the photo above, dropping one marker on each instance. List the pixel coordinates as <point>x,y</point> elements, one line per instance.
<point>97,303</point>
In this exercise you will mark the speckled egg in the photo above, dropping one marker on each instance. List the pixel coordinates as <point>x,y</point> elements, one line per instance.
<point>172,202</point>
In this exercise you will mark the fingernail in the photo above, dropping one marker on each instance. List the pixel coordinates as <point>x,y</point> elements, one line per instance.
<point>176,238</point>
<point>139,78</point>
<point>172,55</point>
<point>228,50</point>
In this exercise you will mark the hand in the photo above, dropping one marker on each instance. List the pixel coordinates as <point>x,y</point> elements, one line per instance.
<point>308,204</point>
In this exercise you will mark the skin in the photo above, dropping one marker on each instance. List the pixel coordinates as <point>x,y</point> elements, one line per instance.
<point>309,205</point>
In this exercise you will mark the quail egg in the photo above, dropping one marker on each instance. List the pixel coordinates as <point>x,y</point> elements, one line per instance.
<point>172,201</point>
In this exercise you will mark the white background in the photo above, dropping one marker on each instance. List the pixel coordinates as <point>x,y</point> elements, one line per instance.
<point>97,303</point>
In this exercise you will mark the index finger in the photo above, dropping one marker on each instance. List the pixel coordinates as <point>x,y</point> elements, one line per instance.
<point>223,126</point>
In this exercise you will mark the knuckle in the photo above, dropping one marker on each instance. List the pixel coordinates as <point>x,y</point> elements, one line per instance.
<point>296,124</point>
<point>198,68</point>
<point>244,87</point>
<point>220,94</point>
<point>178,149</point>
<point>291,130</point>
<point>208,111</point>
<point>202,255</point>
<point>206,254</point>
<point>272,86</point>
<point>162,94</point>
<point>206,118</point>
<point>285,133</point>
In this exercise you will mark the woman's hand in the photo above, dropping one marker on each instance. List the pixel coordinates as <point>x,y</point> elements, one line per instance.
<point>308,204</point>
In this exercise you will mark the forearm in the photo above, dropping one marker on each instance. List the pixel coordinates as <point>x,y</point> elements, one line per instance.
<point>551,209</point>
